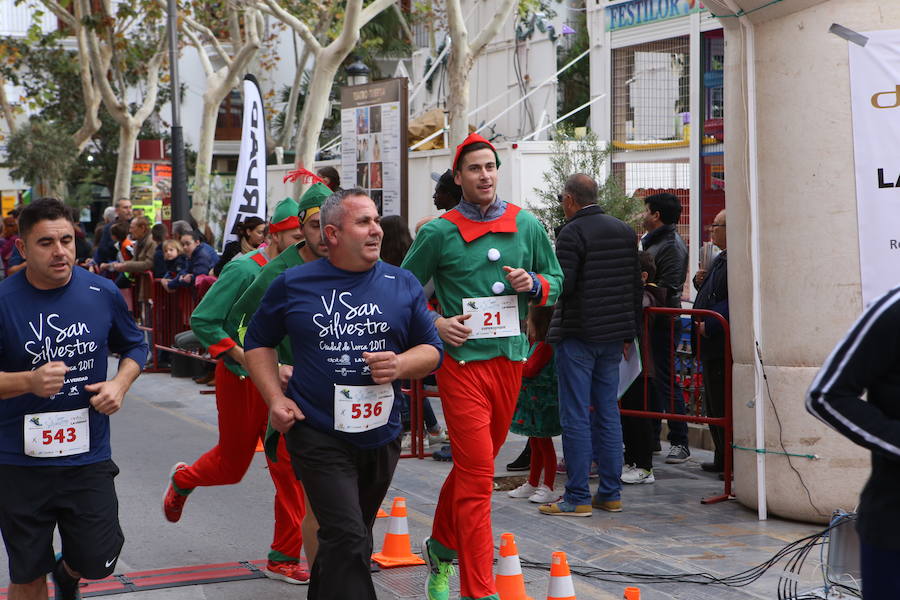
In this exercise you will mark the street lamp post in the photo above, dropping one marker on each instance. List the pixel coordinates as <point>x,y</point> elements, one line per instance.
<point>357,72</point>
<point>179,175</point>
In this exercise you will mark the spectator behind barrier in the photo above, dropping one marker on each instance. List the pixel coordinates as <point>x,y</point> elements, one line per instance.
<point>175,260</point>
<point>8,240</point>
<point>712,295</point>
<point>251,233</point>
<point>395,243</point>
<point>330,178</point>
<point>159,234</point>
<point>201,258</point>
<point>143,249</point>
<point>396,240</point>
<point>105,250</point>
<point>637,432</point>
<point>661,213</point>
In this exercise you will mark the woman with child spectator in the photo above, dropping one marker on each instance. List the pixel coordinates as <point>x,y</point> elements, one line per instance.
<point>201,258</point>
<point>395,243</point>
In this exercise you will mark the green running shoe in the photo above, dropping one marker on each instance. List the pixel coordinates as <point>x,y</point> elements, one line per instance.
<point>437,586</point>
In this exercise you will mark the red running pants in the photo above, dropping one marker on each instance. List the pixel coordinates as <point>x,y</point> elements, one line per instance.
<point>478,399</point>
<point>243,416</point>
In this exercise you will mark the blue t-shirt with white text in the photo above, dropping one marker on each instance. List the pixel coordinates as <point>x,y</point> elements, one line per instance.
<point>79,323</point>
<point>331,317</point>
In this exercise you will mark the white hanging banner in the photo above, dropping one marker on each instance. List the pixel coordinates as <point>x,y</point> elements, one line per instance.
<point>249,196</point>
<point>875,98</point>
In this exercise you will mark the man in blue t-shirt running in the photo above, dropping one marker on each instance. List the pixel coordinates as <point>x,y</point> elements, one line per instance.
<point>356,326</point>
<point>57,327</point>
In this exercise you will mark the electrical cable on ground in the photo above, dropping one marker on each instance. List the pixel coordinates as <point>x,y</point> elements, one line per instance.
<point>795,554</point>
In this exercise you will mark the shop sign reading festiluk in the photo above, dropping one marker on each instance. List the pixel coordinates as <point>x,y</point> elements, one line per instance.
<point>875,105</point>
<point>642,12</point>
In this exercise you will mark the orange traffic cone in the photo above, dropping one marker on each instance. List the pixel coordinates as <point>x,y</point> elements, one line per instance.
<point>561,586</point>
<point>259,446</point>
<point>509,581</point>
<point>632,593</point>
<point>396,551</point>
<point>381,514</point>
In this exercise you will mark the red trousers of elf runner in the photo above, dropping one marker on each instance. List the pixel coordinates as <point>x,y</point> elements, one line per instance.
<point>478,399</point>
<point>243,417</point>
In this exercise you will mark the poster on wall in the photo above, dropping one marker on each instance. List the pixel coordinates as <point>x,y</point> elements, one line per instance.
<point>374,142</point>
<point>150,183</point>
<point>875,102</point>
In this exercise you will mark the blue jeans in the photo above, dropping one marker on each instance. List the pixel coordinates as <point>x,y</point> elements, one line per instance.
<point>589,377</point>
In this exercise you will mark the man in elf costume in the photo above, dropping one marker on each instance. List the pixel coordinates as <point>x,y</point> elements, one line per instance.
<point>243,414</point>
<point>311,248</point>
<point>488,259</point>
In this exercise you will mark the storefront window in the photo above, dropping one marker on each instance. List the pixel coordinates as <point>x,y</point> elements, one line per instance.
<point>651,94</point>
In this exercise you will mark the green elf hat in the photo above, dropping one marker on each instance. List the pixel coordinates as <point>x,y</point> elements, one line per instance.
<point>474,138</point>
<point>285,216</point>
<point>312,200</point>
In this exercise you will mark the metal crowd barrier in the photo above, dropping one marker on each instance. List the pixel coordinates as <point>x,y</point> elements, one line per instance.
<point>163,315</point>
<point>686,378</point>
<point>685,369</point>
<point>417,394</point>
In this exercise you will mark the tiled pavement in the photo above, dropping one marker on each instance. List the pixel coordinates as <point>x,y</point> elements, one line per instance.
<point>663,529</point>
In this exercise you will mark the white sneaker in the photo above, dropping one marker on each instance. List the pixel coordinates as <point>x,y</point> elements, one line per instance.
<point>543,495</point>
<point>523,491</point>
<point>638,476</point>
<point>406,444</point>
<point>627,469</point>
<point>436,439</point>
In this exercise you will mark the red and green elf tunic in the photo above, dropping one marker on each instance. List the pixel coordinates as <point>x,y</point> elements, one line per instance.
<point>455,252</point>
<point>214,321</point>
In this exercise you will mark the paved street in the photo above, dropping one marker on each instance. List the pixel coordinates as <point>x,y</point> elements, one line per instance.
<point>664,528</point>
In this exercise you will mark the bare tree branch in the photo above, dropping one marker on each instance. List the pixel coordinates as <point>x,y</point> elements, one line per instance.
<point>61,13</point>
<point>201,51</point>
<point>6,108</point>
<point>273,8</point>
<point>490,30</point>
<point>248,48</point>
<point>117,109</point>
<point>403,23</point>
<point>152,85</point>
<point>372,11</point>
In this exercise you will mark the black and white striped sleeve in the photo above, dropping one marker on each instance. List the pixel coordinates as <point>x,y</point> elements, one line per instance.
<point>863,360</point>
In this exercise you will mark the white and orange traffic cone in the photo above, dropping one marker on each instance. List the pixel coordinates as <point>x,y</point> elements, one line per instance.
<point>396,550</point>
<point>632,593</point>
<point>561,586</point>
<point>381,514</point>
<point>509,580</point>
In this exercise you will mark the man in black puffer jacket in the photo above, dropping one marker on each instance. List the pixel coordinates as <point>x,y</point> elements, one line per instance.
<point>670,254</point>
<point>595,320</point>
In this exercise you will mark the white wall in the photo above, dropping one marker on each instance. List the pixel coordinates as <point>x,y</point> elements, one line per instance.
<point>15,20</point>
<point>493,77</point>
